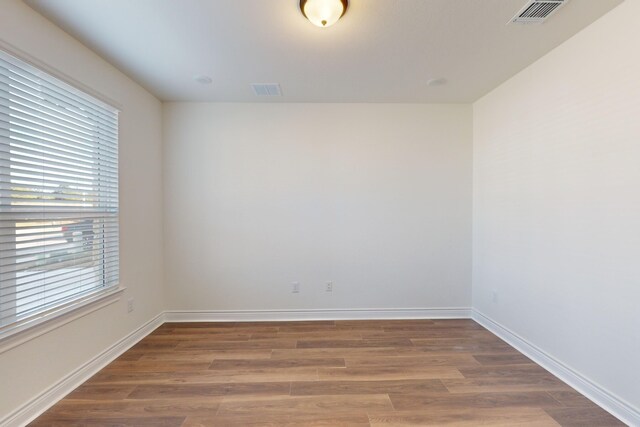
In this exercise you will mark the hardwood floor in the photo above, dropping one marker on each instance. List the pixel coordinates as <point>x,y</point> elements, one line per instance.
<point>343,373</point>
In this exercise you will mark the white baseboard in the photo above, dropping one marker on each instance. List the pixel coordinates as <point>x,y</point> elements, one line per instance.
<point>597,394</point>
<point>328,314</point>
<point>48,398</point>
<point>607,400</point>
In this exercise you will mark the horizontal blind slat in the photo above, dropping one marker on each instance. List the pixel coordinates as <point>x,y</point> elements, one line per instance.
<point>34,283</point>
<point>20,123</point>
<point>8,217</point>
<point>35,280</point>
<point>66,150</point>
<point>32,80</point>
<point>17,165</point>
<point>27,289</point>
<point>54,244</point>
<point>48,228</point>
<point>49,181</point>
<point>24,131</point>
<point>28,151</point>
<point>35,310</point>
<point>24,100</point>
<point>66,115</point>
<point>17,114</point>
<point>27,80</point>
<point>39,240</point>
<point>35,261</point>
<point>53,262</point>
<point>57,261</point>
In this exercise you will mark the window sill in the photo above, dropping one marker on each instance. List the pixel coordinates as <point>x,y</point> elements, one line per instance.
<point>14,336</point>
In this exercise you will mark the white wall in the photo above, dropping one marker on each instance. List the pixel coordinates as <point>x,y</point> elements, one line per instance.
<point>27,370</point>
<point>557,203</point>
<point>376,198</point>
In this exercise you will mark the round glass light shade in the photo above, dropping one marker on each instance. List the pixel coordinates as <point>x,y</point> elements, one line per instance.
<point>323,13</point>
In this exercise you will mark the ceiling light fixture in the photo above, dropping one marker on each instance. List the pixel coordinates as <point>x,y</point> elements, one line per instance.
<point>323,13</point>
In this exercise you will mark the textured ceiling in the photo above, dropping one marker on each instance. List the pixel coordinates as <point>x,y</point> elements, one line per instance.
<point>380,51</point>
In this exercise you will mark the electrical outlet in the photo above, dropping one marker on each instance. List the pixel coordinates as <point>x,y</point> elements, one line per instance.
<point>295,288</point>
<point>129,305</point>
<point>494,296</point>
<point>329,287</point>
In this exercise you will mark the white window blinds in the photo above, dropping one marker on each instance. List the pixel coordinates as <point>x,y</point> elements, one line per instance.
<point>58,194</point>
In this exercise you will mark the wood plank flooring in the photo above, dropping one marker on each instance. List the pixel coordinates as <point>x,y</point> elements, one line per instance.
<point>343,373</point>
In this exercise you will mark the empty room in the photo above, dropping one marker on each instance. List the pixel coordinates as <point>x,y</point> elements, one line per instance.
<point>319,213</point>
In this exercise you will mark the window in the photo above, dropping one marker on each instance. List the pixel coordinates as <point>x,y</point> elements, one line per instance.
<point>58,195</point>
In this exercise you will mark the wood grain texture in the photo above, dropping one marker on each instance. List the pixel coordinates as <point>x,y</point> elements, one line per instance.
<point>463,417</point>
<point>580,417</point>
<point>281,420</point>
<point>342,373</point>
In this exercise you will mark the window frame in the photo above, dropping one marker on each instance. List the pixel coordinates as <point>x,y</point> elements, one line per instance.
<point>32,326</point>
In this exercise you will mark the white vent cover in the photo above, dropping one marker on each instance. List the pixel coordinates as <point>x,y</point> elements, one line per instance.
<point>537,11</point>
<point>266,89</point>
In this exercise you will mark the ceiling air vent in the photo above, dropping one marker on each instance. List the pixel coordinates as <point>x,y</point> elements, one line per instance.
<point>537,11</point>
<point>266,89</point>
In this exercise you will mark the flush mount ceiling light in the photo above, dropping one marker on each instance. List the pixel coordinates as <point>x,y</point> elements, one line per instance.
<point>323,13</point>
